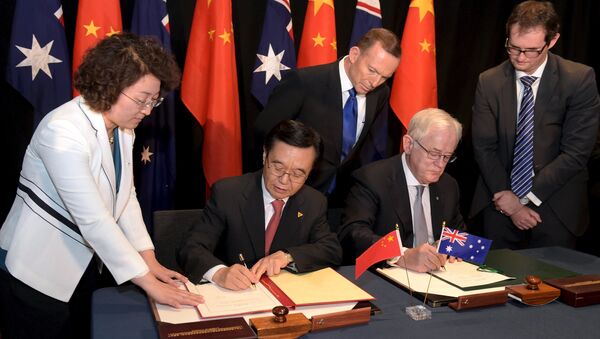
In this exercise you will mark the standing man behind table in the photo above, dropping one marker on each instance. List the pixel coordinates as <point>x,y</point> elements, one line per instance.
<point>535,120</point>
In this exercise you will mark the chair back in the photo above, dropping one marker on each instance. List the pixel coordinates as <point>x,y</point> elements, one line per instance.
<point>169,229</point>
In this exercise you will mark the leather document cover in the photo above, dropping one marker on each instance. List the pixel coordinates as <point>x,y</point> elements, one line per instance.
<point>577,291</point>
<point>222,328</point>
<point>517,265</point>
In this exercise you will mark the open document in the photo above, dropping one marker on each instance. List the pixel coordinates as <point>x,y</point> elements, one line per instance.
<point>319,289</point>
<point>219,301</point>
<point>419,282</point>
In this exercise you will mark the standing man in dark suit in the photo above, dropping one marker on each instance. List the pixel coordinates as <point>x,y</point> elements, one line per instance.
<point>269,217</point>
<point>318,95</point>
<point>535,120</point>
<point>409,190</point>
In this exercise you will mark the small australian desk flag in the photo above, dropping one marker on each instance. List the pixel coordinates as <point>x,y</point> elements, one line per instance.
<point>464,245</point>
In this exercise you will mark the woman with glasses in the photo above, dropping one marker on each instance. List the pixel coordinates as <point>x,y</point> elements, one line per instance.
<point>76,223</point>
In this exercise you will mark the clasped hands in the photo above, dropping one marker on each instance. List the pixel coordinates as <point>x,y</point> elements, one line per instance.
<point>238,277</point>
<point>523,217</point>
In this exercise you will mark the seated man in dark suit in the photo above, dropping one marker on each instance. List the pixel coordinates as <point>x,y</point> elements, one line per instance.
<point>268,216</point>
<point>409,190</point>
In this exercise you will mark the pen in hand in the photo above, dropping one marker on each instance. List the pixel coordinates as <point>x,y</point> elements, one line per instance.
<point>436,244</point>
<point>243,262</point>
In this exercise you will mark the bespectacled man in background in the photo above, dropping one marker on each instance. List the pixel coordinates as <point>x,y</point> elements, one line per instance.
<point>535,120</point>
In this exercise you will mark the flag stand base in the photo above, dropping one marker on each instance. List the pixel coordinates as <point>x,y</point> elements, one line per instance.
<point>418,312</point>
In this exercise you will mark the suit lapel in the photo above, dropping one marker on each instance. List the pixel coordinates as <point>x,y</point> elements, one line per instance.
<point>254,215</point>
<point>333,97</point>
<point>508,114</point>
<point>436,204</point>
<point>291,221</point>
<point>399,195</point>
<point>547,86</point>
<point>369,116</point>
<point>97,122</point>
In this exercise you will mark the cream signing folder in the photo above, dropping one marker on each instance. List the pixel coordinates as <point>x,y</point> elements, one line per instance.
<point>324,286</point>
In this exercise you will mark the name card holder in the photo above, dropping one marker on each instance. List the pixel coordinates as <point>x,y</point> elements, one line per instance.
<point>479,300</point>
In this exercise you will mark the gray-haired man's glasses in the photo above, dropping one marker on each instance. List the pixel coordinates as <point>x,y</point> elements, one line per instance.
<point>435,155</point>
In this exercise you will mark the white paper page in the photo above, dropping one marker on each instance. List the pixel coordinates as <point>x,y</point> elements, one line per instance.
<point>465,275</point>
<point>219,301</point>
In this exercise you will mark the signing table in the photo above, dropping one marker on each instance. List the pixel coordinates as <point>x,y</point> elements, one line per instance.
<point>124,312</point>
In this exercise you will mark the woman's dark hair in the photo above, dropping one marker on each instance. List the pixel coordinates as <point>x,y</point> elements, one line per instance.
<point>119,61</point>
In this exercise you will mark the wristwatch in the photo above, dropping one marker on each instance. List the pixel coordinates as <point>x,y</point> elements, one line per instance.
<point>524,201</point>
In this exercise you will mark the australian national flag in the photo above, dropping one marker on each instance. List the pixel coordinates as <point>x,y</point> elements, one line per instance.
<point>38,63</point>
<point>154,148</point>
<point>276,54</point>
<point>464,245</point>
<point>367,16</point>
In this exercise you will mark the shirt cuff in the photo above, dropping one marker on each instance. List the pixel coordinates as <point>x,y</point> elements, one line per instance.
<point>292,267</point>
<point>535,200</point>
<point>210,273</point>
<point>394,261</point>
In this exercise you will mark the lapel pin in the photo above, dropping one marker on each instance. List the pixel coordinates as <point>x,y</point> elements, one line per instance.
<point>300,215</point>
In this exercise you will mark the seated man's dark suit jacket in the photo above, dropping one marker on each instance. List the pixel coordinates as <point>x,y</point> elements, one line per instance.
<point>313,95</point>
<point>379,200</point>
<point>233,222</point>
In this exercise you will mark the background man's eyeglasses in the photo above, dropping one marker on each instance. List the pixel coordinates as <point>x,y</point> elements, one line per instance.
<point>529,53</point>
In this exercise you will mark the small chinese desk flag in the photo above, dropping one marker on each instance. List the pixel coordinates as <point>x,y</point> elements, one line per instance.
<point>464,245</point>
<point>389,246</point>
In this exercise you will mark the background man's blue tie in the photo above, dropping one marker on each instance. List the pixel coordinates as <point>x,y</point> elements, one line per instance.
<point>521,175</point>
<point>348,130</point>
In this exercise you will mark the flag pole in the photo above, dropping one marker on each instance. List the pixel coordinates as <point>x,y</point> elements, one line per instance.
<point>431,275</point>
<point>404,261</point>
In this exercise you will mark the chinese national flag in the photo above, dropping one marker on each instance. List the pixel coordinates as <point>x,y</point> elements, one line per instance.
<point>209,88</point>
<point>318,44</point>
<point>96,20</point>
<point>389,246</point>
<point>415,83</point>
